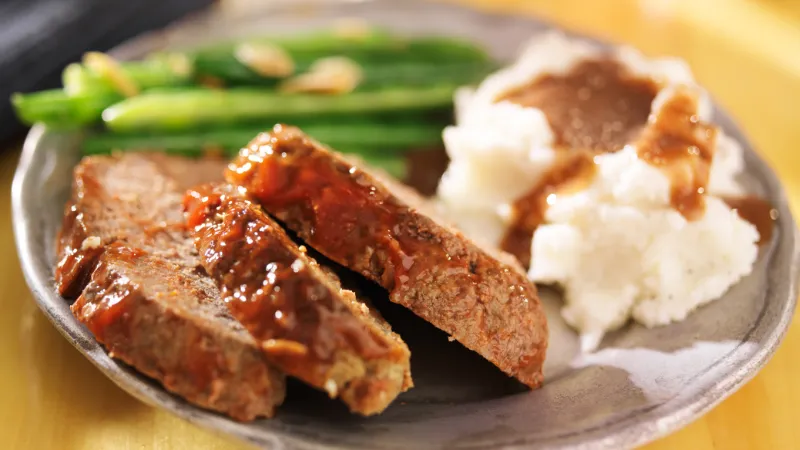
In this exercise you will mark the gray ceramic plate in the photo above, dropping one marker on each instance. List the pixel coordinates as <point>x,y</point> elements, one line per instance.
<point>641,384</point>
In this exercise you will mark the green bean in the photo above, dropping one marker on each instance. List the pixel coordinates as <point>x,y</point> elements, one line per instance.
<point>384,54</point>
<point>228,69</point>
<point>383,136</point>
<point>323,42</point>
<point>57,109</point>
<point>422,74</point>
<point>447,49</point>
<point>391,66</point>
<point>78,79</point>
<point>394,165</point>
<point>376,75</point>
<point>220,61</point>
<point>146,74</point>
<point>192,108</point>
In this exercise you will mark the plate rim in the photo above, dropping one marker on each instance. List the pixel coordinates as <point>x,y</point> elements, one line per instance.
<point>618,435</point>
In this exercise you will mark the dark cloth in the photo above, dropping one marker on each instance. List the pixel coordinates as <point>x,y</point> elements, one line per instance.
<point>39,37</point>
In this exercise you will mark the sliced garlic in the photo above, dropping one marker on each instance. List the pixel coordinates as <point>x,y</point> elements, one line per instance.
<point>297,265</point>
<point>330,388</point>
<point>284,347</point>
<point>265,59</point>
<point>179,64</point>
<point>109,68</point>
<point>91,242</point>
<point>333,75</point>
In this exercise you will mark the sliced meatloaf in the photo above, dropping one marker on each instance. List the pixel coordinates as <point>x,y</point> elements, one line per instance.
<point>134,198</point>
<point>308,326</point>
<point>126,253</point>
<point>479,296</point>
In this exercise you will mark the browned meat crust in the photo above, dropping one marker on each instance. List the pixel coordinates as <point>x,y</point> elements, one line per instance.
<point>482,298</point>
<point>124,246</point>
<point>308,326</point>
<point>135,198</point>
<point>174,329</point>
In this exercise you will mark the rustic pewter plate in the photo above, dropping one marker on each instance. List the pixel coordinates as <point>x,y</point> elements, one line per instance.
<point>641,384</point>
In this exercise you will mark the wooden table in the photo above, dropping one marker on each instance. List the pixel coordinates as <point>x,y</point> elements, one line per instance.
<point>746,52</point>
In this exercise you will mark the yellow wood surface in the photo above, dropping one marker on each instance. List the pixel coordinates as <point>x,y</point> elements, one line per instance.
<point>747,52</point>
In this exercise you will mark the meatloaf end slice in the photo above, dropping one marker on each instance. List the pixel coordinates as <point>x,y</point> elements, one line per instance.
<point>480,296</point>
<point>134,198</point>
<point>172,328</point>
<point>126,253</point>
<point>308,326</point>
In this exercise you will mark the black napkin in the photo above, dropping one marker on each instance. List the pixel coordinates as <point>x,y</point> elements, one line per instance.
<point>39,37</point>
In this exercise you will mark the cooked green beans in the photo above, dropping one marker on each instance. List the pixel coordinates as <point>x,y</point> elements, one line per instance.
<point>59,110</point>
<point>148,74</point>
<point>186,109</point>
<point>378,55</point>
<point>380,137</point>
<point>397,95</point>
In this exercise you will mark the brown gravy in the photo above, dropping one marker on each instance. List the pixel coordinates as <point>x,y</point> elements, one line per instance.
<point>425,168</point>
<point>572,172</point>
<point>757,211</point>
<point>682,146</point>
<point>599,107</point>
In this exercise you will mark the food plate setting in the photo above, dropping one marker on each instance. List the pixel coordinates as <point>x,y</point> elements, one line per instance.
<point>223,217</point>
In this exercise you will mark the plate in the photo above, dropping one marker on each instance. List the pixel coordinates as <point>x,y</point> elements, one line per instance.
<point>640,385</point>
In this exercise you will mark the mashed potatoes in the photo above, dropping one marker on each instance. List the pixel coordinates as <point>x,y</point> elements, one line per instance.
<point>617,246</point>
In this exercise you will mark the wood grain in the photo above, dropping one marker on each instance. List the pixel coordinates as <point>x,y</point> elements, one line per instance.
<point>744,51</point>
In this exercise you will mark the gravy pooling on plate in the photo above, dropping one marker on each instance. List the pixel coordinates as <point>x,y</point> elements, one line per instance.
<point>757,211</point>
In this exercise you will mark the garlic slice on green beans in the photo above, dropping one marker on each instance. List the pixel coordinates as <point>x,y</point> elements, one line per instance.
<point>265,59</point>
<point>109,68</point>
<point>333,75</point>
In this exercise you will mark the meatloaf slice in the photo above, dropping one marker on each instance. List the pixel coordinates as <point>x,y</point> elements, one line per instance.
<point>134,198</point>
<point>351,215</point>
<point>308,326</point>
<point>125,250</point>
<point>172,328</point>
